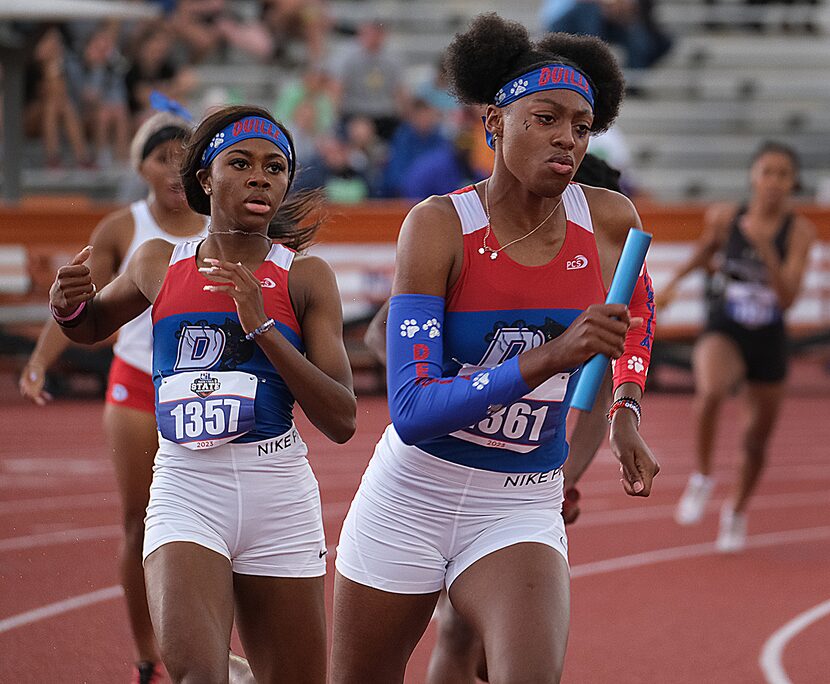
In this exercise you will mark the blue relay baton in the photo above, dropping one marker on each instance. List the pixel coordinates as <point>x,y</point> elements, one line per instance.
<point>631,262</point>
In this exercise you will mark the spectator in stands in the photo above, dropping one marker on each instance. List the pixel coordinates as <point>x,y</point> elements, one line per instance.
<point>196,24</point>
<point>756,254</point>
<point>333,171</point>
<point>419,134</point>
<point>296,23</point>
<point>316,88</point>
<point>49,108</point>
<point>367,152</point>
<point>443,169</point>
<point>628,23</point>
<point>370,81</point>
<point>612,147</point>
<point>98,80</point>
<point>153,67</point>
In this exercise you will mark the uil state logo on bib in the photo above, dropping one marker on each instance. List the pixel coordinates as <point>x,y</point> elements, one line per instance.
<point>205,385</point>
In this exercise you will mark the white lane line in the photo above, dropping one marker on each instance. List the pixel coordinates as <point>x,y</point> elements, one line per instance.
<point>82,601</point>
<point>773,650</point>
<point>637,560</point>
<point>583,570</point>
<point>53,609</point>
<point>646,512</point>
<point>782,473</point>
<point>49,503</point>
<point>61,537</point>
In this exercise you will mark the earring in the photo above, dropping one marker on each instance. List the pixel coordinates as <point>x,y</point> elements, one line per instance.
<point>207,190</point>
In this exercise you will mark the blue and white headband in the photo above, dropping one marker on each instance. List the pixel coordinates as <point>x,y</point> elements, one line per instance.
<point>551,77</point>
<point>249,127</point>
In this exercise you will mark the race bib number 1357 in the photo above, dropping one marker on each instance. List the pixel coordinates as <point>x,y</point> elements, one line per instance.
<point>201,410</point>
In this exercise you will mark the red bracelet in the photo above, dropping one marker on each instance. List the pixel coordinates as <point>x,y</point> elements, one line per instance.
<point>625,402</point>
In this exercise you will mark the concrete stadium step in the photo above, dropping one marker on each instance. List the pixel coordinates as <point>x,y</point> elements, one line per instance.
<point>697,152</point>
<point>672,184</point>
<point>731,52</point>
<point>773,118</point>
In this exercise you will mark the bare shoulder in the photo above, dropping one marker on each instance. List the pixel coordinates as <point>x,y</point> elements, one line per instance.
<point>720,214</point>
<point>430,248</point>
<point>311,271</point>
<point>804,230</point>
<point>433,218</point>
<point>114,232</point>
<point>148,265</point>
<point>612,213</point>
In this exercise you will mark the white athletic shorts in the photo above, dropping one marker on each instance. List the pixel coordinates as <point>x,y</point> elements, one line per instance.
<point>417,522</point>
<point>257,504</point>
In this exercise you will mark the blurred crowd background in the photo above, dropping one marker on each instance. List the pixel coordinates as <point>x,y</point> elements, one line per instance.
<point>359,84</point>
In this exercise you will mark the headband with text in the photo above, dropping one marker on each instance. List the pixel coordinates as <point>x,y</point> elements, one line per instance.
<point>249,127</point>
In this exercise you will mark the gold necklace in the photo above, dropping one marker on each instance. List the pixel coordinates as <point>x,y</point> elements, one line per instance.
<point>494,253</point>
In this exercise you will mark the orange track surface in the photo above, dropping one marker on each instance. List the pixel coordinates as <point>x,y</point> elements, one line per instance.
<point>677,613</point>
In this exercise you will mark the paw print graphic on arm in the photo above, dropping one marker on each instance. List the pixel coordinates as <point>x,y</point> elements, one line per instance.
<point>409,327</point>
<point>636,364</point>
<point>433,327</point>
<point>481,381</point>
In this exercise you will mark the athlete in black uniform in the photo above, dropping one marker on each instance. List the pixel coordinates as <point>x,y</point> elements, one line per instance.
<point>756,255</point>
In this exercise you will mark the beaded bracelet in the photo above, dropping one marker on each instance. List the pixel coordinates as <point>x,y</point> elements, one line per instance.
<point>261,330</point>
<point>66,321</point>
<point>625,402</point>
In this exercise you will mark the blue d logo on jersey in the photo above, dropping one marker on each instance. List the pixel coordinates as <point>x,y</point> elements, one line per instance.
<point>199,347</point>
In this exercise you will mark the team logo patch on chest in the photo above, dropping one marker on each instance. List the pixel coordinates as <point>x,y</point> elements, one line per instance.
<point>577,263</point>
<point>203,345</point>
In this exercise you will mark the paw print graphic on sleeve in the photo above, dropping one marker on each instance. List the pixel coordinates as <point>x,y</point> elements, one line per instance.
<point>518,87</point>
<point>409,327</point>
<point>433,327</point>
<point>636,364</point>
<point>481,381</point>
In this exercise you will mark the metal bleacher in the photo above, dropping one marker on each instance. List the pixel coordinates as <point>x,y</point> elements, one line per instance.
<point>691,121</point>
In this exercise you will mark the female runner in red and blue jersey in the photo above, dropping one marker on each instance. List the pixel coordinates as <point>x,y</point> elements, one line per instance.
<point>496,303</point>
<point>241,328</point>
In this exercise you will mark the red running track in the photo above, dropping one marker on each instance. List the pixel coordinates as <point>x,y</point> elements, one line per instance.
<point>652,602</point>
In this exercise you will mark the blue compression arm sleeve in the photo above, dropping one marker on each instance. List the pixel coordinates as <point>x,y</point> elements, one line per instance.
<point>422,403</point>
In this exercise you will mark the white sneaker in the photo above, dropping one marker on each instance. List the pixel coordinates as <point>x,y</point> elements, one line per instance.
<point>692,504</point>
<point>732,533</point>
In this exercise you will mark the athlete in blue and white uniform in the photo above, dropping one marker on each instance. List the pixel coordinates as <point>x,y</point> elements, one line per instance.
<point>496,303</point>
<point>241,328</point>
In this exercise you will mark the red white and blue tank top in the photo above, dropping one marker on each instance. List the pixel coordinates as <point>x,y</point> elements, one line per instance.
<point>500,308</point>
<point>212,385</point>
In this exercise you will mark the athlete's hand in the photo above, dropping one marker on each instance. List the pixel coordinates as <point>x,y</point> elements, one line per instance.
<point>239,283</point>
<point>73,285</point>
<point>31,384</point>
<point>600,329</point>
<point>637,464</point>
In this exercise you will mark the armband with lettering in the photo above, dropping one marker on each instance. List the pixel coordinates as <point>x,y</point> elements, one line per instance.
<point>632,366</point>
<point>422,403</point>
